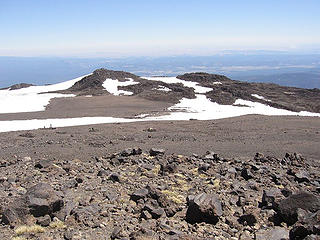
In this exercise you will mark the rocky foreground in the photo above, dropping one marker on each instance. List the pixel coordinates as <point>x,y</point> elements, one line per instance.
<point>148,194</point>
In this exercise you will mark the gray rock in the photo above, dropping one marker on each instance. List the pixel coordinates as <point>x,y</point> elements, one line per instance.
<point>44,163</point>
<point>271,198</point>
<point>203,208</point>
<point>277,233</point>
<point>86,215</point>
<point>211,156</point>
<point>302,176</point>
<point>155,211</point>
<point>44,221</point>
<point>42,199</point>
<point>156,151</point>
<point>139,194</point>
<point>116,233</point>
<point>288,208</point>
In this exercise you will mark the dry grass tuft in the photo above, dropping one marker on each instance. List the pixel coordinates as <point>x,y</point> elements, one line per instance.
<point>174,196</point>
<point>18,238</point>
<point>57,224</point>
<point>29,229</point>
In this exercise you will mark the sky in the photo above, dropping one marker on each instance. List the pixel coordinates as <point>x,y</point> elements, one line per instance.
<point>111,28</point>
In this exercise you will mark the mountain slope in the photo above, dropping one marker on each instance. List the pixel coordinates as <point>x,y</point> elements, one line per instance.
<point>289,98</point>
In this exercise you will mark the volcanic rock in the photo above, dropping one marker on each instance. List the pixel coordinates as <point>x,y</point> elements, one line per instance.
<point>156,151</point>
<point>42,199</point>
<point>203,208</point>
<point>288,207</point>
<point>276,233</point>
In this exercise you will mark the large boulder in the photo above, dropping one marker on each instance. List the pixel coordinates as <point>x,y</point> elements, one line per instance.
<point>39,200</point>
<point>203,208</point>
<point>307,224</point>
<point>42,199</point>
<point>288,208</point>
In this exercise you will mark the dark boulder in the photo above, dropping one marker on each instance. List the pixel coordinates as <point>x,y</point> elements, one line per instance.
<point>115,177</point>
<point>42,199</point>
<point>246,174</point>
<point>156,151</point>
<point>203,208</point>
<point>288,208</point>
<point>39,201</point>
<point>247,219</point>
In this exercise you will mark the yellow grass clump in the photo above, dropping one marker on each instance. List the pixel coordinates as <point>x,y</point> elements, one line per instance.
<point>173,196</point>
<point>29,229</point>
<point>57,224</point>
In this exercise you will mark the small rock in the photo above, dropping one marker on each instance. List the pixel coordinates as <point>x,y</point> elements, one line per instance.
<point>204,167</point>
<point>68,235</point>
<point>156,151</point>
<point>116,233</point>
<point>151,129</point>
<point>302,176</point>
<point>102,173</point>
<point>211,156</point>
<point>44,221</point>
<point>276,233</point>
<point>246,174</point>
<point>146,215</point>
<point>43,164</point>
<point>139,194</point>
<point>248,219</point>
<point>114,177</point>
<point>271,198</point>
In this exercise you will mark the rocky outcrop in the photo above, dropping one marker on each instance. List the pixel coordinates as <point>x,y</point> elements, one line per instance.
<point>289,98</point>
<point>20,85</point>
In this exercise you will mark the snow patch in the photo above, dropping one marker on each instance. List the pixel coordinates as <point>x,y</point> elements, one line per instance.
<point>30,99</point>
<point>200,108</point>
<point>17,125</point>
<point>260,97</point>
<point>194,85</point>
<point>111,85</point>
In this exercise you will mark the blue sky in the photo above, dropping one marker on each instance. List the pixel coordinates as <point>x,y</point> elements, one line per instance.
<point>155,27</point>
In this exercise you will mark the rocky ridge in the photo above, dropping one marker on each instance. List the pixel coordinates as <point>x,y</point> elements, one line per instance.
<point>92,85</point>
<point>18,86</point>
<point>147,194</point>
<point>289,98</point>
